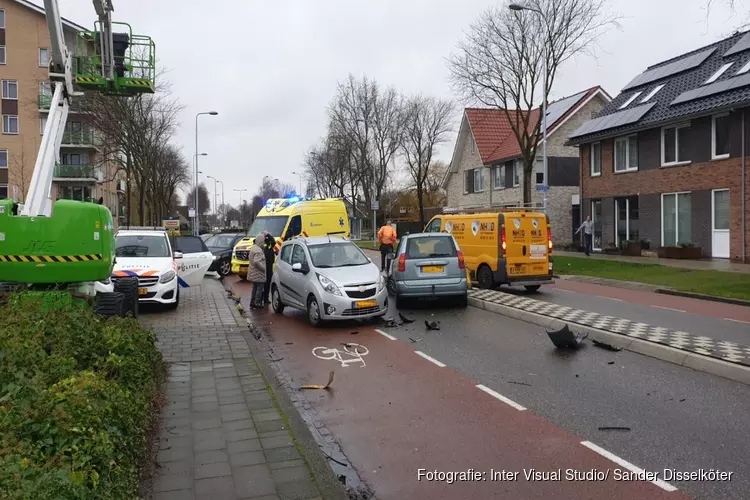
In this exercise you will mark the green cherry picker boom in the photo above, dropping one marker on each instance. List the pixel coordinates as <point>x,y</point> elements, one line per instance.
<point>69,245</point>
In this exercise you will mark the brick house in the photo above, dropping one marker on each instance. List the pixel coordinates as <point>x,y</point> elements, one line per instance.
<point>664,162</point>
<point>83,173</point>
<point>486,142</point>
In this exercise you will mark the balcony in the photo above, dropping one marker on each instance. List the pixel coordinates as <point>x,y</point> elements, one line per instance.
<point>44,101</point>
<point>89,173</point>
<point>79,138</point>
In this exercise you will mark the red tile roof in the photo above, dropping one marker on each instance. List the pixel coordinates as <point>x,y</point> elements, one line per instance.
<point>493,133</point>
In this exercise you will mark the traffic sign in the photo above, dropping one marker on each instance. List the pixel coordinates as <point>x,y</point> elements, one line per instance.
<point>542,187</point>
<point>191,213</point>
<point>374,205</point>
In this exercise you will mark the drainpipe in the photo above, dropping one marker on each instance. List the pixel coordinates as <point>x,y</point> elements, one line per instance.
<point>744,195</point>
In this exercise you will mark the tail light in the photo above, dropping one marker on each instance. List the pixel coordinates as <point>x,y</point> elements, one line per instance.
<point>549,239</point>
<point>402,263</point>
<point>504,242</point>
<point>461,263</point>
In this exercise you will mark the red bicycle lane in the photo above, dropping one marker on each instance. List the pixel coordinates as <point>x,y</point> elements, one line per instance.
<point>396,412</point>
<point>707,308</point>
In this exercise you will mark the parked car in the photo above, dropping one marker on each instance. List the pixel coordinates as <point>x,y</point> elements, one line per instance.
<point>221,245</point>
<point>428,265</point>
<point>328,277</point>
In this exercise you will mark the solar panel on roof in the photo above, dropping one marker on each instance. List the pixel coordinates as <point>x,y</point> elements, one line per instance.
<point>670,69</point>
<point>742,45</point>
<point>556,109</point>
<point>618,119</point>
<point>713,89</point>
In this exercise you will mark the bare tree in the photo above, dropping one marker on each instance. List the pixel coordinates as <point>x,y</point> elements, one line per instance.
<point>204,200</point>
<point>427,124</point>
<point>501,63</point>
<point>21,162</point>
<point>171,173</point>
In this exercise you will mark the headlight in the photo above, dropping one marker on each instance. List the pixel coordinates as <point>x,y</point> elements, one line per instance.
<point>167,277</point>
<point>328,285</point>
<point>214,257</point>
<point>381,282</point>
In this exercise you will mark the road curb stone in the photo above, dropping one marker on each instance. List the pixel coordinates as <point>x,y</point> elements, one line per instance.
<point>698,362</point>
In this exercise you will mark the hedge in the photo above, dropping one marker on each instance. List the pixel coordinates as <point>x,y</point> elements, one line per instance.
<point>76,396</point>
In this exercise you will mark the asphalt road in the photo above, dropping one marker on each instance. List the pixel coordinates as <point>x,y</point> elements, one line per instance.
<point>676,313</point>
<point>400,411</point>
<point>678,418</point>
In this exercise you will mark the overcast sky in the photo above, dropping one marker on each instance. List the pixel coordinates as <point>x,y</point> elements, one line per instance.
<point>270,68</point>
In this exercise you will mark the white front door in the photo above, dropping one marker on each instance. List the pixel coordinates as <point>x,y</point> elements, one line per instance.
<point>196,259</point>
<point>596,218</point>
<point>720,223</point>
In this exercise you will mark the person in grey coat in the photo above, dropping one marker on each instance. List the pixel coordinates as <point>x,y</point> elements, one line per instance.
<point>588,229</point>
<point>256,274</point>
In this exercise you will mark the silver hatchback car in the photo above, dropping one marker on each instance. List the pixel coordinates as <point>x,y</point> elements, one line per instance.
<point>328,277</point>
<point>428,265</point>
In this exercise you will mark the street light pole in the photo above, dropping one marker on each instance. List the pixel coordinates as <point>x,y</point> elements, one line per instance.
<point>241,191</point>
<point>196,222</point>
<point>216,213</point>
<point>300,182</point>
<point>518,7</point>
<point>222,203</point>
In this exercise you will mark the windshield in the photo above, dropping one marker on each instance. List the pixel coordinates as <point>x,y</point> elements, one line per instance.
<point>141,246</point>
<point>220,240</point>
<point>337,255</point>
<point>426,247</point>
<point>274,225</point>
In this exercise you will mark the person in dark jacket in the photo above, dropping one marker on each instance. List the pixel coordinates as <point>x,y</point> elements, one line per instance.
<point>270,242</point>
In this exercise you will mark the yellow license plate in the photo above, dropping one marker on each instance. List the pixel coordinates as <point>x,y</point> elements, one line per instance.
<point>517,270</point>
<point>362,304</point>
<point>433,269</point>
<point>143,291</point>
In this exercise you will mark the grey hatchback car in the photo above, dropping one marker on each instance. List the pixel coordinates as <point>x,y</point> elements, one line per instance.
<point>428,265</point>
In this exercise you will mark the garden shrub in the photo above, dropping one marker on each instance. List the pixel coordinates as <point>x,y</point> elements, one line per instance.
<point>75,400</point>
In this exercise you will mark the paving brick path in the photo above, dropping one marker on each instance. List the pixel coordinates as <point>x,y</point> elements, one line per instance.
<point>221,436</point>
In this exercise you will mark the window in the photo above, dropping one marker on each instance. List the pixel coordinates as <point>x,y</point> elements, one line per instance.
<point>295,227</point>
<point>3,158</point>
<point>2,54</point>
<point>3,191</point>
<point>676,219</point>
<point>141,246</point>
<point>626,154</point>
<point>674,144</point>
<point>720,136</point>
<point>42,124</point>
<point>517,173</point>
<point>498,177</point>
<point>189,244</point>
<point>298,255</point>
<point>474,181</point>
<point>286,253</point>
<point>721,209</point>
<point>434,226</point>
<point>631,99</point>
<point>10,89</point>
<point>626,220</point>
<point>10,124</point>
<point>43,58</point>
<point>744,69</point>
<point>274,225</point>
<point>718,73</point>
<point>45,89</point>
<point>430,247</point>
<point>473,145</point>
<point>539,171</point>
<point>653,92</point>
<point>337,255</point>
<point>596,159</point>
<point>2,19</point>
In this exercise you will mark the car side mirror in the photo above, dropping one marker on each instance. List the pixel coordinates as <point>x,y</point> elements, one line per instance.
<point>178,255</point>
<point>297,267</point>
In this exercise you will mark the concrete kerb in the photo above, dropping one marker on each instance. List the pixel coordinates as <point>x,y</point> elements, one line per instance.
<point>329,485</point>
<point>691,360</point>
<point>702,296</point>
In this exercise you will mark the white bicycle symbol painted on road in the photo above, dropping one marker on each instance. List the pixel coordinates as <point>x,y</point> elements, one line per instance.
<point>350,353</point>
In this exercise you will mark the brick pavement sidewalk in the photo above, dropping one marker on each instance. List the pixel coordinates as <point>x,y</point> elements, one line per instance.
<point>221,436</point>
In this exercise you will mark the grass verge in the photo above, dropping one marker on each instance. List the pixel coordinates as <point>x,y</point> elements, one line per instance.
<point>716,283</point>
<point>76,395</point>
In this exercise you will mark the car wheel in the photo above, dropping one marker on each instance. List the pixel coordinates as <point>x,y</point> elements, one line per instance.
<point>463,301</point>
<point>176,303</point>
<point>225,267</point>
<point>278,306</point>
<point>313,311</point>
<point>485,278</point>
<point>129,289</point>
<point>532,288</point>
<point>109,305</point>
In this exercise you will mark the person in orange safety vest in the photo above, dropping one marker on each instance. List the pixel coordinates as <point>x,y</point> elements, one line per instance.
<point>386,237</point>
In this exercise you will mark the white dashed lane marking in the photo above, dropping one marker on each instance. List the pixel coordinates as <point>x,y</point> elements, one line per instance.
<point>431,360</point>
<point>625,464</point>
<point>502,398</point>
<point>738,321</point>
<point>381,332</point>
<point>669,309</point>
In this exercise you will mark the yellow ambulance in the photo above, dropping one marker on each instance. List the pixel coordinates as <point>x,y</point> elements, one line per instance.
<point>506,248</point>
<point>284,218</point>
